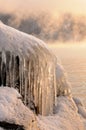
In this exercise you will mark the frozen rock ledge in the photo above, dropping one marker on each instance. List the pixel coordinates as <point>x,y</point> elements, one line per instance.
<point>29,66</point>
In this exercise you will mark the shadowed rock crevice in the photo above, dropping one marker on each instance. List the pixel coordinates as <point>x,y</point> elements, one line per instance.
<point>8,126</point>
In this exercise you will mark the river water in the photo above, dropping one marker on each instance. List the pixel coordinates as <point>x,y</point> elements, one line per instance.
<point>73,58</point>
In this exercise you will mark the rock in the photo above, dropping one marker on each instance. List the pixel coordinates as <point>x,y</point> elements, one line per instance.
<point>13,113</point>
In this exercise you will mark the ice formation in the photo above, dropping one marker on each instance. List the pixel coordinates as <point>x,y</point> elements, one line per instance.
<point>29,66</point>
<point>63,86</point>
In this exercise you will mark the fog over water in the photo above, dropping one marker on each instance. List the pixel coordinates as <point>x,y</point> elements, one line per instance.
<point>35,72</point>
<point>54,20</point>
<point>64,28</point>
<point>73,58</point>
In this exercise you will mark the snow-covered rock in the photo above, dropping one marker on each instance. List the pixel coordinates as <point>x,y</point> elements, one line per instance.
<point>13,111</point>
<point>63,86</point>
<point>27,65</point>
<point>15,115</point>
<point>66,117</point>
<point>80,106</point>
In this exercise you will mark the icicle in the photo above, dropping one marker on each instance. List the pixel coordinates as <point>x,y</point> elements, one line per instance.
<point>55,87</point>
<point>11,66</point>
<point>35,83</point>
<point>47,91</point>
<point>37,86</point>
<point>40,90</point>
<point>3,57</point>
<point>8,69</point>
<point>0,69</point>
<point>3,68</point>
<point>25,75</point>
<point>13,71</point>
<point>32,86</point>
<point>20,77</point>
<point>23,89</point>
<point>44,93</point>
<point>29,89</point>
<point>16,72</point>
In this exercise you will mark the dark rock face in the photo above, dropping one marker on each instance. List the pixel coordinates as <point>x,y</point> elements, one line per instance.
<point>8,126</point>
<point>27,65</point>
<point>9,67</point>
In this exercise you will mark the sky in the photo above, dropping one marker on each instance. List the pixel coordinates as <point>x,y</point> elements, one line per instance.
<point>53,6</point>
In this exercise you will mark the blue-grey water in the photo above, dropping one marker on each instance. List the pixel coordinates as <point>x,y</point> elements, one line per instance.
<point>73,58</point>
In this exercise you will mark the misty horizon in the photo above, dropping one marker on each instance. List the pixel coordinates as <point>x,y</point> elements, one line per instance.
<point>66,27</point>
<point>50,21</point>
<point>53,6</point>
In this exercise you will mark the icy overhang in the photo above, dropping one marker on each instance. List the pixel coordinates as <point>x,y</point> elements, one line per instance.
<point>27,65</point>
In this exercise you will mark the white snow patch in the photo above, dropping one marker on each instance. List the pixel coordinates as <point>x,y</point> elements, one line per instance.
<point>66,117</point>
<point>81,108</point>
<point>12,109</point>
<point>63,86</point>
<point>13,39</point>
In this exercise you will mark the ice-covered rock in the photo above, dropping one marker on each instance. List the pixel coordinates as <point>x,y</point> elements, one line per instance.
<point>63,86</point>
<point>29,66</point>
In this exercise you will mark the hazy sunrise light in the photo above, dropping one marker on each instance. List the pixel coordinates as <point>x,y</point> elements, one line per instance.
<point>53,6</point>
<point>42,64</point>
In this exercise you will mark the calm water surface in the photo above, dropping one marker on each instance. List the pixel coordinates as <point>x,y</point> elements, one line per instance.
<point>73,58</point>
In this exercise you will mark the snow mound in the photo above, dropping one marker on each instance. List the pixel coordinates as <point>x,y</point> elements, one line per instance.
<point>80,106</point>
<point>12,109</point>
<point>66,117</point>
